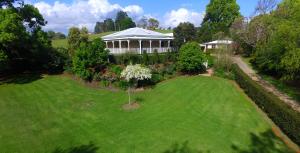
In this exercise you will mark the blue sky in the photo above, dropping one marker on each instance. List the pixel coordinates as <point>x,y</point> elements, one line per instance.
<point>63,14</point>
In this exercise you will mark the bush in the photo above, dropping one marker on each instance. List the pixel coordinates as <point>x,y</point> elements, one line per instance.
<point>90,58</point>
<point>123,84</point>
<point>283,115</point>
<point>191,58</point>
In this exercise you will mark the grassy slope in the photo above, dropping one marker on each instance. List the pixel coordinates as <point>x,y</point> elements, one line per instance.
<point>56,113</point>
<point>63,42</point>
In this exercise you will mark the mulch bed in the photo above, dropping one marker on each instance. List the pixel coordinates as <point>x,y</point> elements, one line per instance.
<point>132,106</point>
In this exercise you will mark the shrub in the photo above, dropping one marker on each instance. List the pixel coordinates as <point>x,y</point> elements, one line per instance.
<point>282,114</point>
<point>191,58</point>
<point>145,58</point>
<point>90,58</point>
<point>123,84</point>
<point>156,59</point>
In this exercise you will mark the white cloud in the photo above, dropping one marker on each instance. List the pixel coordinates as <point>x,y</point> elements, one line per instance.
<point>173,18</point>
<point>62,16</point>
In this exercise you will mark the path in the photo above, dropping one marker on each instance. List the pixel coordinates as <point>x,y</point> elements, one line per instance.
<point>269,87</point>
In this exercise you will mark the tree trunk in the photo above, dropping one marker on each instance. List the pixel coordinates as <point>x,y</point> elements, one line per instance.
<point>129,100</point>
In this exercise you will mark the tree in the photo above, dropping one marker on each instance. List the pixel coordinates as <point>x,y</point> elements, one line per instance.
<point>109,25</point>
<point>76,36</point>
<point>265,6</point>
<point>55,35</point>
<point>143,23</point>
<point>99,27</point>
<point>134,73</point>
<point>73,40</point>
<point>153,23</point>
<point>123,22</point>
<point>191,58</point>
<point>90,58</point>
<point>9,3</point>
<point>219,16</point>
<point>184,32</point>
<point>84,35</point>
<point>22,41</point>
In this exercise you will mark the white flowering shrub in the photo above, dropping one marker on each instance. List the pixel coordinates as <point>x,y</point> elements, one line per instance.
<point>136,72</point>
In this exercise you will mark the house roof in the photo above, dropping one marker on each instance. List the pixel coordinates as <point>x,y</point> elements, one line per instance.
<point>222,42</point>
<point>138,34</point>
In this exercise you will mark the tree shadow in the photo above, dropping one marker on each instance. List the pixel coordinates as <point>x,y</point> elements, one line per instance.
<point>183,148</point>
<point>89,148</point>
<point>265,142</point>
<point>20,78</point>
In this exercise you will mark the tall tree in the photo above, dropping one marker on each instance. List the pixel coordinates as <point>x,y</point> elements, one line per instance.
<point>184,32</point>
<point>22,41</point>
<point>153,23</point>
<point>76,36</point>
<point>220,14</point>
<point>109,25</point>
<point>98,28</point>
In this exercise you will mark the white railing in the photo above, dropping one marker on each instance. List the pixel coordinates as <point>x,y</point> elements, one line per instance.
<point>137,50</point>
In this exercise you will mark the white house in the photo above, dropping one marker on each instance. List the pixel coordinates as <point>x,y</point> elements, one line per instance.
<point>216,44</point>
<point>137,40</point>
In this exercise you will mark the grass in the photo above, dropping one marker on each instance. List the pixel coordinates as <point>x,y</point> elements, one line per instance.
<point>54,114</point>
<point>64,42</point>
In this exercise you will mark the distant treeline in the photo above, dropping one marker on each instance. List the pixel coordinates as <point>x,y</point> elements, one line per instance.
<point>123,21</point>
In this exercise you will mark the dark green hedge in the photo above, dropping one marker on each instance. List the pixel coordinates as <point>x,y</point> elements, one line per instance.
<point>283,115</point>
<point>147,59</point>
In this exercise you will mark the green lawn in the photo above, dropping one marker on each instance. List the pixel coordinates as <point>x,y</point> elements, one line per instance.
<point>63,42</point>
<point>54,114</point>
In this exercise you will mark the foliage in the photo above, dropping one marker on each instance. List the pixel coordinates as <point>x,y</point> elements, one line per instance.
<point>123,21</point>
<point>145,58</point>
<point>127,58</point>
<point>3,61</point>
<point>136,72</point>
<point>90,58</point>
<point>272,39</point>
<point>105,26</point>
<point>22,41</point>
<point>184,32</point>
<point>56,35</point>
<point>156,58</point>
<point>191,58</point>
<point>219,16</point>
<point>284,116</point>
<point>153,23</point>
<point>76,36</point>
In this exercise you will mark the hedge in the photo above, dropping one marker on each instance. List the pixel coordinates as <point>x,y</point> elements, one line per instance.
<point>282,115</point>
<point>141,59</point>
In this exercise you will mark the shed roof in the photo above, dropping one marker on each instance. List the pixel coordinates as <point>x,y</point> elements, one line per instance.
<point>138,33</point>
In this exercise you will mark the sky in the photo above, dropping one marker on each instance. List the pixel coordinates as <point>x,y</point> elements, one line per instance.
<point>63,14</point>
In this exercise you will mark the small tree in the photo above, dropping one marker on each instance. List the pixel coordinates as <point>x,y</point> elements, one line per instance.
<point>191,58</point>
<point>133,74</point>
